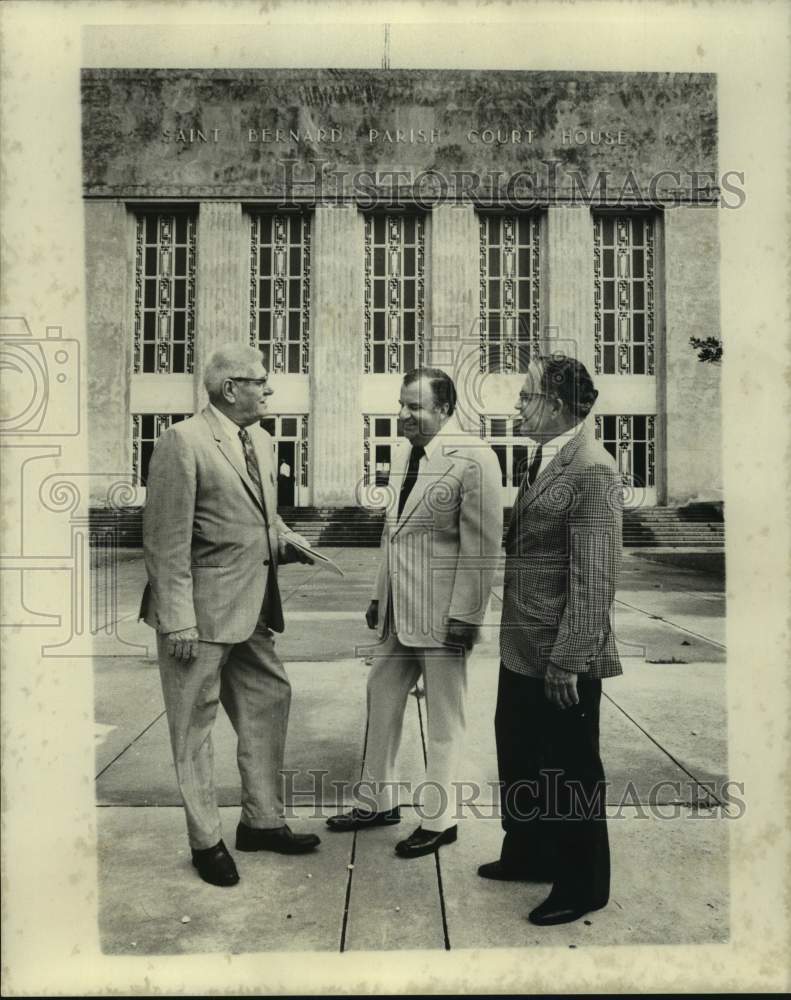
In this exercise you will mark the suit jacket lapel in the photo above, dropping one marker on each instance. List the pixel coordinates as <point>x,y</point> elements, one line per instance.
<point>554,469</point>
<point>545,480</point>
<point>430,472</point>
<point>225,448</point>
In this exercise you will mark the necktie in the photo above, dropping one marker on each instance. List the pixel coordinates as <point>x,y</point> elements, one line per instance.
<point>527,481</point>
<point>272,609</point>
<point>532,473</point>
<point>418,451</point>
<point>252,466</point>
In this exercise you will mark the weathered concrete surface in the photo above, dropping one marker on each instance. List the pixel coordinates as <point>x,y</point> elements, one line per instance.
<point>652,858</point>
<point>132,120</point>
<point>664,737</point>
<point>691,387</point>
<point>274,907</point>
<point>394,903</point>
<point>326,733</point>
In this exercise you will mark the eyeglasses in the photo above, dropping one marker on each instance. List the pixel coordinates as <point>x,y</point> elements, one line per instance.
<point>260,382</point>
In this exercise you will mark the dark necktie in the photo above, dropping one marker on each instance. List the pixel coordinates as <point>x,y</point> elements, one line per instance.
<point>272,609</point>
<point>418,451</point>
<point>532,473</point>
<point>527,481</point>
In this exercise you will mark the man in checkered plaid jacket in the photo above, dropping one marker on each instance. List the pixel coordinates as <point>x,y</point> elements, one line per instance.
<point>563,552</point>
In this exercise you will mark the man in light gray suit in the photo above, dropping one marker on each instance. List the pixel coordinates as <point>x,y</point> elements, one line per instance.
<point>440,547</point>
<point>212,539</point>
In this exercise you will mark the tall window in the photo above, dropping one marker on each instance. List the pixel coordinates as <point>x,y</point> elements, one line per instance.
<point>280,291</point>
<point>511,450</point>
<point>623,263</point>
<point>630,441</point>
<point>394,293</point>
<point>509,292</point>
<point>146,428</point>
<point>164,329</point>
<point>380,436</point>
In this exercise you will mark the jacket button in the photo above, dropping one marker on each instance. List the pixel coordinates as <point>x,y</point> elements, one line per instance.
<point>266,562</point>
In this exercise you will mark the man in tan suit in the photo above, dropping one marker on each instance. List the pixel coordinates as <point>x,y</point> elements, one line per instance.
<point>212,539</point>
<point>440,547</point>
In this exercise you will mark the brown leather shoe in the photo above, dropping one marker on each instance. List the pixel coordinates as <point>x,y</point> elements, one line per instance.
<point>215,865</point>
<point>282,840</point>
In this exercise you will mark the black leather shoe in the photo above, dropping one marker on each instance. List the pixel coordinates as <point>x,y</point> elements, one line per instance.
<point>500,872</point>
<point>560,909</point>
<point>425,842</point>
<point>281,839</point>
<point>215,865</point>
<point>361,819</point>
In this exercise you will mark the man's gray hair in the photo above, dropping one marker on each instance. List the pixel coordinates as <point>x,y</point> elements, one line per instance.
<point>228,361</point>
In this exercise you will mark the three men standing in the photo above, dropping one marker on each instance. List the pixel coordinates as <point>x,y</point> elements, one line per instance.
<point>439,550</point>
<point>563,551</point>
<point>212,541</point>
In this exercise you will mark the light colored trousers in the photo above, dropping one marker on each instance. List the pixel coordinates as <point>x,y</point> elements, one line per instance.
<point>250,681</point>
<point>395,671</point>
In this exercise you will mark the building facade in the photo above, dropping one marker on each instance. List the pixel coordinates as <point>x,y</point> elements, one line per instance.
<point>354,224</point>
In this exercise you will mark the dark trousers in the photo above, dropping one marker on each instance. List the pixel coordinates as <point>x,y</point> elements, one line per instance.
<point>552,791</point>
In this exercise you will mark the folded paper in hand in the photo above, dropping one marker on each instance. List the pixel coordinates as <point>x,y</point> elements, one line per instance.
<point>318,559</point>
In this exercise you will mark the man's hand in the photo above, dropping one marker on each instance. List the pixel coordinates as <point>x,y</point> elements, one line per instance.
<point>461,634</point>
<point>301,556</point>
<point>560,687</point>
<point>183,645</point>
<point>372,614</point>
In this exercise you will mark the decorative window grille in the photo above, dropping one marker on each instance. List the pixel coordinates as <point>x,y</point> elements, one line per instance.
<point>164,325</point>
<point>280,291</point>
<point>624,313</point>
<point>380,435</point>
<point>512,452</point>
<point>509,292</point>
<point>394,293</point>
<point>146,429</point>
<point>631,442</point>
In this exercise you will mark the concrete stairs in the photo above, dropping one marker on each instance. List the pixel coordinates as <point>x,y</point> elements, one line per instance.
<point>694,526</point>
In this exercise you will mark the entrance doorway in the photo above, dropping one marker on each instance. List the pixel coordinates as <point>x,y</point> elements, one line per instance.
<point>290,434</point>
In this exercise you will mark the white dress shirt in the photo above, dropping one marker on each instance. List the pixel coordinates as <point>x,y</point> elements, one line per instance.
<point>231,431</point>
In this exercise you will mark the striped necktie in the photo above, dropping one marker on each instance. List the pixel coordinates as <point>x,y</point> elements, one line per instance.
<point>252,466</point>
<point>272,609</point>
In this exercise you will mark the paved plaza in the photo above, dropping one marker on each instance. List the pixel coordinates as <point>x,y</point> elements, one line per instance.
<point>664,739</point>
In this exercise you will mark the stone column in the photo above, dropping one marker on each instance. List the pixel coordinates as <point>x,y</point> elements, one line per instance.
<point>221,283</point>
<point>568,277</point>
<point>108,335</point>
<point>336,433</point>
<point>452,286</point>
<point>690,388</point>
